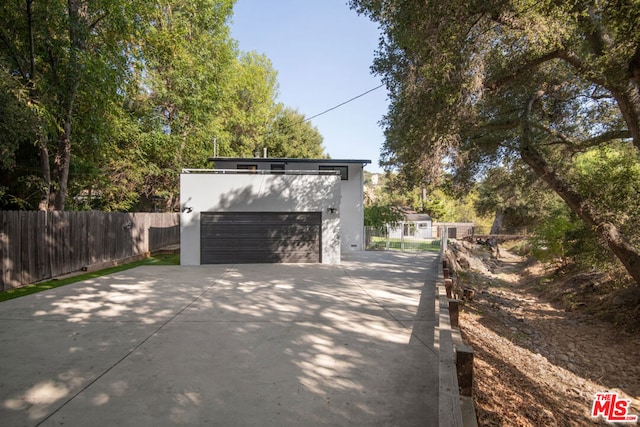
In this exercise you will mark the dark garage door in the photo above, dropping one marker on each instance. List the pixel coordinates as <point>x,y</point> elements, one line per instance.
<point>259,237</point>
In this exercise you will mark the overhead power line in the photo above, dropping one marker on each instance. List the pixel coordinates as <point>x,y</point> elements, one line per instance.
<point>325,111</point>
<point>343,103</point>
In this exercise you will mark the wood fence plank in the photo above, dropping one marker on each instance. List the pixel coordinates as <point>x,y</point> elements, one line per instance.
<point>32,245</point>
<point>50,243</point>
<point>4,252</point>
<point>24,249</point>
<point>8,259</point>
<point>40,244</point>
<point>14,246</point>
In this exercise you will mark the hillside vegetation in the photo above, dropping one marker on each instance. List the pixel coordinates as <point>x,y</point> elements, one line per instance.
<point>546,338</point>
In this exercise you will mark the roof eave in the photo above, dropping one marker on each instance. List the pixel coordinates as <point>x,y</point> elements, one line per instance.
<point>286,160</point>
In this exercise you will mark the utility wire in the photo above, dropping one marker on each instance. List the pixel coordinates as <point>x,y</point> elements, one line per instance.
<point>324,112</point>
<point>343,103</point>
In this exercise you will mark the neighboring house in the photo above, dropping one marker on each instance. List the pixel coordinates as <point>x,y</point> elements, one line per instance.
<point>413,225</point>
<point>252,210</point>
<point>422,225</point>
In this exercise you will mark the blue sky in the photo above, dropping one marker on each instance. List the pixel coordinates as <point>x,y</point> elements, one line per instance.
<point>323,52</point>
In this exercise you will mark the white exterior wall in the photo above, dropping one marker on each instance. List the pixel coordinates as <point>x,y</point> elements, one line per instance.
<point>352,210</point>
<point>423,229</point>
<point>419,230</point>
<point>351,205</point>
<point>207,192</point>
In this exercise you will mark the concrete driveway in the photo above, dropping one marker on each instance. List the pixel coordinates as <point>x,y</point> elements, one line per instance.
<point>267,344</point>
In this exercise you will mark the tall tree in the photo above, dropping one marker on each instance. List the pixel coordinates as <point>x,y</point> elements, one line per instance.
<point>252,105</point>
<point>117,96</point>
<point>477,83</point>
<point>291,135</point>
<point>59,54</point>
<point>186,62</point>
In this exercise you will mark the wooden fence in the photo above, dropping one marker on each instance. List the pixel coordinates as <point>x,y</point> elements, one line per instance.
<point>454,230</point>
<point>35,246</point>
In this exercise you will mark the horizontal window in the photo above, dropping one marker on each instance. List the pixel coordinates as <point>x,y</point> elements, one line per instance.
<point>277,167</point>
<point>344,171</point>
<point>247,167</point>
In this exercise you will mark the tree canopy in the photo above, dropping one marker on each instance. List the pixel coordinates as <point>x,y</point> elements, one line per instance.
<point>480,85</point>
<point>103,102</point>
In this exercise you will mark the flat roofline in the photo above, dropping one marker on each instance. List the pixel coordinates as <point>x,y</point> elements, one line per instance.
<point>285,160</point>
<point>258,172</point>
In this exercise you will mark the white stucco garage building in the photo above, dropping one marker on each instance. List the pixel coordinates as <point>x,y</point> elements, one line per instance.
<point>252,210</point>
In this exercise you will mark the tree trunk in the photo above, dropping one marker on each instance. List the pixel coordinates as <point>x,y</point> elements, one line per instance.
<point>46,176</point>
<point>634,71</point>
<point>628,255</point>
<point>62,159</point>
<point>61,164</point>
<point>497,222</point>
<point>625,89</point>
<point>619,245</point>
<point>629,105</point>
<point>45,197</point>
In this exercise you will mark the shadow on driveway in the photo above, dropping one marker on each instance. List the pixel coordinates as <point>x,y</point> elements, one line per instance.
<point>257,344</point>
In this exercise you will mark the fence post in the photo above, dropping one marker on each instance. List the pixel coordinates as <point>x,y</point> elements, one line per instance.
<point>388,238</point>
<point>444,235</point>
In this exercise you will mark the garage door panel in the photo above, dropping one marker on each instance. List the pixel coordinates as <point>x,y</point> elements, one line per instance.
<point>250,245</point>
<point>251,218</point>
<point>265,232</point>
<point>260,237</point>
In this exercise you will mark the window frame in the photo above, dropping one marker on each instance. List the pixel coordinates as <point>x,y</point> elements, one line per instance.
<point>344,171</point>
<point>277,168</point>
<point>253,168</point>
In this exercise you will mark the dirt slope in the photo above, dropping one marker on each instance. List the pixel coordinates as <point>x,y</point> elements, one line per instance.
<point>536,363</point>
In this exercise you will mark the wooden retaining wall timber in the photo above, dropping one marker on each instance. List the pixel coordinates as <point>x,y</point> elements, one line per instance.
<point>462,353</point>
<point>36,246</point>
